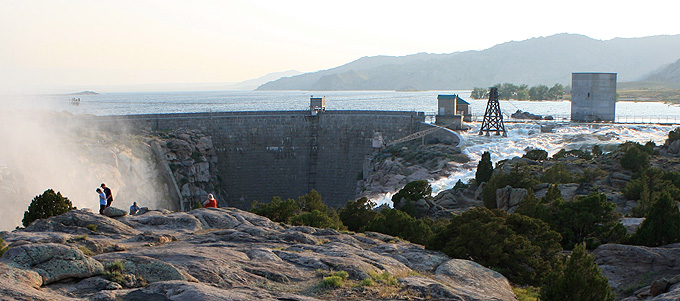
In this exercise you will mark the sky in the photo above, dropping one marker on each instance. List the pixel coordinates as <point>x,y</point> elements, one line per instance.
<point>53,45</point>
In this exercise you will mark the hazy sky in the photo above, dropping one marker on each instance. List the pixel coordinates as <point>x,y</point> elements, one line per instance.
<point>45,44</point>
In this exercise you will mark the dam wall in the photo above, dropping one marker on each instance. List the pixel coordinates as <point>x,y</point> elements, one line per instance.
<point>263,154</point>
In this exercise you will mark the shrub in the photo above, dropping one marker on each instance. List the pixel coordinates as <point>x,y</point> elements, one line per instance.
<point>558,174</point>
<point>277,210</point>
<point>577,278</point>
<point>405,199</point>
<point>413,191</point>
<point>520,247</point>
<point>662,225</point>
<point>398,223</point>
<point>332,281</point>
<point>647,185</point>
<point>92,227</point>
<point>46,205</point>
<point>319,219</point>
<point>634,159</point>
<point>367,282</point>
<point>356,215</point>
<point>341,274</point>
<point>536,155</point>
<point>385,278</point>
<point>484,168</point>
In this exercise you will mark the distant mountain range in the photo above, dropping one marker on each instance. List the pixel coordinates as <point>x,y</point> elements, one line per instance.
<point>667,74</point>
<point>544,60</point>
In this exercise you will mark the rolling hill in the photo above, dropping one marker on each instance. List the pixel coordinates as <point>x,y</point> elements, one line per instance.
<point>544,60</point>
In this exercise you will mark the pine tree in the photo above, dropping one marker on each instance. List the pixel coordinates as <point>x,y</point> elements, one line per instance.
<point>662,225</point>
<point>484,168</point>
<point>577,278</point>
<point>46,205</point>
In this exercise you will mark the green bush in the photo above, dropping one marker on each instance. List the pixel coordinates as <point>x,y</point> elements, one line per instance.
<point>356,215</point>
<point>558,174</point>
<point>385,278</point>
<point>662,224</point>
<point>398,223</point>
<point>577,278</point>
<point>634,159</point>
<point>367,282</point>
<point>277,210</point>
<point>46,205</point>
<point>332,281</point>
<point>341,274</point>
<point>520,247</point>
<point>484,169</point>
<point>647,185</point>
<point>319,219</point>
<point>591,219</point>
<point>91,227</point>
<point>596,151</point>
<point>536,155</point>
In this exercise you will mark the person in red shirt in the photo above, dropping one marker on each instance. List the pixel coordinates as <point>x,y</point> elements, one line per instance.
<point>211,202</point>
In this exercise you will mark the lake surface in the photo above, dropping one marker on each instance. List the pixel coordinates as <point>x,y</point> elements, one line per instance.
<point>218,101</point>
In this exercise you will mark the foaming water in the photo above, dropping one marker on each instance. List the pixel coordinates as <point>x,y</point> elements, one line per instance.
<point>524,136</point>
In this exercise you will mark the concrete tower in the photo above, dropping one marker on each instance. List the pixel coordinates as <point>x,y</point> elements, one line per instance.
<point>593,97</point>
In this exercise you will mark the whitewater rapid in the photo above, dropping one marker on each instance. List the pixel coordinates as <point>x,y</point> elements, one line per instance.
<point>524,136</point>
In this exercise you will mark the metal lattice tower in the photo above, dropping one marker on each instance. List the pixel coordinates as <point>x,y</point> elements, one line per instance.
<point>493,119</point>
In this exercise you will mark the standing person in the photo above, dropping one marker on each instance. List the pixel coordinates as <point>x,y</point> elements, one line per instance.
<point>134,208</point>
<point>102,200</point>
<point>109,196</point>
<point>211,202</point>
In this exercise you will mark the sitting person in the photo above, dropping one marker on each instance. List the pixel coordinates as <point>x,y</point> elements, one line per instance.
<point>134,208</point>
<point>211,202</point>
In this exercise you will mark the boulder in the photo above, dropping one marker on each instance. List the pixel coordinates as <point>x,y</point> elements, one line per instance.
<point>149,269</point>
<point>627,265</point>
<point>22,284</point>
<point>53,262</point>
<point>508,198</point>
<point>114,212</point>
<point>674,147</point>
<point>474,281</point>
<point>77,221</point>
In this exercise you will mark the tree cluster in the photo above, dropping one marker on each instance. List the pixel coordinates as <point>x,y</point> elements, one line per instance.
<point>522,92</point>
<point>307,210</point>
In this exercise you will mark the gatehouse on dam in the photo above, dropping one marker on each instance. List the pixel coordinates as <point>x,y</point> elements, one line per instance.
<point>262,154</point>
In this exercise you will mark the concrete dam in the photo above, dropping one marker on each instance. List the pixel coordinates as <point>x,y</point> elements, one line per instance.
<point>262,154</point>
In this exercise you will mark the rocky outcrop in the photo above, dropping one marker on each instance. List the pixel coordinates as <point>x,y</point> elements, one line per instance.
<point>519,114</point>
<point>630,268</point>
<point>53,262</point>
<point>508,198</point>
<point>393,168</point>
<point>222,253</point>
<point>192,159</point>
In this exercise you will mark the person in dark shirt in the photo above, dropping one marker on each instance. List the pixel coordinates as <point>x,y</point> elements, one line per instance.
<point>109,196</point>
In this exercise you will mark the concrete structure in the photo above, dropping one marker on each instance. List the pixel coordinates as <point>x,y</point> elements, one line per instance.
<point>317,104</point>
<point>593,97</point>
<point>285,153</point>
<point>449,113</point>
